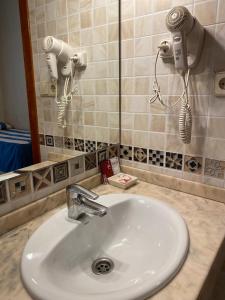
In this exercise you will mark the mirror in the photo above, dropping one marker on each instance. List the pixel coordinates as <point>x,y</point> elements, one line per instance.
<point>92,116</point>
<point>15,135</point>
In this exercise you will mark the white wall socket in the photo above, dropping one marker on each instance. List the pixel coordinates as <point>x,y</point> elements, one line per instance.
<point>166,49</point>
<point>47,89</point>
<point>220,84</point>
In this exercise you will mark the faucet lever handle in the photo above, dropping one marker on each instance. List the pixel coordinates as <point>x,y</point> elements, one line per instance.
<point>80,190</point>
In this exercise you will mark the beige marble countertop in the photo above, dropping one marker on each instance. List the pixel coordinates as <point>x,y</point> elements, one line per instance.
<point>206,224</point>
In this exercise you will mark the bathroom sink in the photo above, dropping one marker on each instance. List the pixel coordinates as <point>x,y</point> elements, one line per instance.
<point>130,253</point>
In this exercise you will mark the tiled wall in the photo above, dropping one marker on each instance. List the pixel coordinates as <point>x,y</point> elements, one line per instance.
<point>150,137</point>
<point>91,26</point>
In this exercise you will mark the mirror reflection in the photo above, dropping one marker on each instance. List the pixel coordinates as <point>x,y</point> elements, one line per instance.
<point>15,138</point>
<point>75,55</point>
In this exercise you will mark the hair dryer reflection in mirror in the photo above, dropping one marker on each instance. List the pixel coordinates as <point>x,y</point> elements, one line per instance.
<point>61,55</point>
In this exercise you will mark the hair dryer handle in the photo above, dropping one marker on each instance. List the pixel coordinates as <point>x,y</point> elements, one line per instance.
<point>52,65</point>
<point>180,51</point>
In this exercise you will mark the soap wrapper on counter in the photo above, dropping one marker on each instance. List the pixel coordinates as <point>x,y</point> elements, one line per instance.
<point>122,180</point>
<point>115,165</point>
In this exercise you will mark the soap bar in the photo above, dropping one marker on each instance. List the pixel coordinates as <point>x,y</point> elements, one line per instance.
<point>122,180</point>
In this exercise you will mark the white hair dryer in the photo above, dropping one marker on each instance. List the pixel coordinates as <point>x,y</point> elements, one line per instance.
<point>187,37</point>
<point>57,51</point>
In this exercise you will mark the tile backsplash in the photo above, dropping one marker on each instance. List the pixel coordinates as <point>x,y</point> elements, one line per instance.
<point>150,130</point>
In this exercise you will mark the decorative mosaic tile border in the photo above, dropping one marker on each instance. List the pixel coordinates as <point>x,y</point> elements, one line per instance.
<point>177,161</point>
<point>83,145</point>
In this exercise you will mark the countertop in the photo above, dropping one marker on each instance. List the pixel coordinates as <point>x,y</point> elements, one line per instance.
<point>205,220</point>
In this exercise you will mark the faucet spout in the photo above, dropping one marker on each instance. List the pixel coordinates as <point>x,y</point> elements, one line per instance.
<point>81,201</point>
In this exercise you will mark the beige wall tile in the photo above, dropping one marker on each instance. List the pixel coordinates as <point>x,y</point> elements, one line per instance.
<point>90,133</point>
<point>217,106</point>
<point>127,9</point>
<point>86,4</point>
<point>142,86</point>
<point>158,22</point>
<point>113,120</point>
<point>113,32</point>
<point>112,13</point>
<point>89,118</point>
<point>196,147</point>
<point>101,119</point>
<point>73,6</point>
<point>113,51</point>
<point>101,87</point>
<point>162,5</point>
<point>127,121</point>
<point>134,104</point>
<point>74,22</point>
<point>86,19</point>
<point>143,46</point>
<point>143,26</point>
<point>50,11</point>
<point>51,28</point>
<point>206,12</point>
<point>143,7</point>
<point>99,16</point>
<point>174,144</point>
<point>60,8</point>
<point>128,86</point>
<point>157,123</point>
<point>199,126</point>
<point>114,136</point>
<point>143,66</point>
<point>141,122</point>
<point>127,49</point>
<point>215,148</point>
<point>140,139</point>
<point>216,128</point>
<point>126,137</point>
<point>61,26</point>
<point>221,11</point>
<point>157,141</point>
<point>102,134</point>
<point>74,39</point>
<point>128,68</point>
<point>127,29</point>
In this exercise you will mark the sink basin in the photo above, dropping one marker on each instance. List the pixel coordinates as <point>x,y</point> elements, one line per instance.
<point>144,243</point>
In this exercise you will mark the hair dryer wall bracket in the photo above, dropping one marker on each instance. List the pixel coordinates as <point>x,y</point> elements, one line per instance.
<point>77,60</point>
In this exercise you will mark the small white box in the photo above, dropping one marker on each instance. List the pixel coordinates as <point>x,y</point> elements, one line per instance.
<point>122,180</point>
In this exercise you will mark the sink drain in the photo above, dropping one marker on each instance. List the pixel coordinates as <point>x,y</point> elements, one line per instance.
<point>102,266</point>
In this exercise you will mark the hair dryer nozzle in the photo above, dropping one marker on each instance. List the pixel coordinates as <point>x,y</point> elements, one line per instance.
<point>179,19</point>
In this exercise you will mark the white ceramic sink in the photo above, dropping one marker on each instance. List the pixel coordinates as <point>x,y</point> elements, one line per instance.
<point>146,240</point>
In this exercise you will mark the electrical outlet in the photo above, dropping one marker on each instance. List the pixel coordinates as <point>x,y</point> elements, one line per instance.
<point>166,49</point>
<point>51,89</point>
<point>220,84</point>
<point>47,89</point>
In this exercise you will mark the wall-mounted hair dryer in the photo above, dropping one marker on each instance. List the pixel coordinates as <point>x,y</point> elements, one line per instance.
<point>60,54</point>
<point>186,47</point>
<point>187,38</point>
<point>57,51</point>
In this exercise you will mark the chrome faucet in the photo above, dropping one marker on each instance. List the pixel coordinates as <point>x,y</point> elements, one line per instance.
<point>80,202</point>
